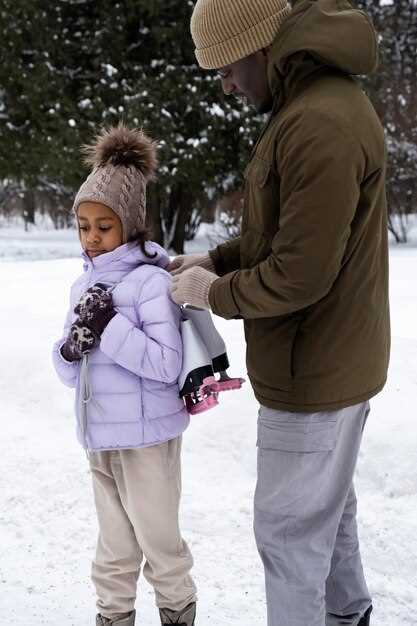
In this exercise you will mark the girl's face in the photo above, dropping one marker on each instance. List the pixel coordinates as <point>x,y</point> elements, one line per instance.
<point>99,227</point>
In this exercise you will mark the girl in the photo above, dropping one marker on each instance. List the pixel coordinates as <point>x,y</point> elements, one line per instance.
<point>122,352</point>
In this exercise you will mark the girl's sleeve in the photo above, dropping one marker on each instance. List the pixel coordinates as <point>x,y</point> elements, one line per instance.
<point>67,371</point>
<point>154,350</point>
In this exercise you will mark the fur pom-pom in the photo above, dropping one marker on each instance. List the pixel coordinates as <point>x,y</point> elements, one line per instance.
<point>120,145</point>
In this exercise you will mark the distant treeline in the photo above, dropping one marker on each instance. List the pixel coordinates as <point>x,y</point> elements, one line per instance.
<point>69,67</point>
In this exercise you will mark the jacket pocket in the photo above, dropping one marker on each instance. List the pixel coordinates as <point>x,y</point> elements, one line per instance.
<point>270,349</point>
<point>160,399</point>
<point>296,432</point>
<point>257,172</point>
<point>262,199</point>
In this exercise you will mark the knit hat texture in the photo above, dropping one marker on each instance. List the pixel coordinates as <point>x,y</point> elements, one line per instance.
<point>123,160</point>
<point>225,31</point>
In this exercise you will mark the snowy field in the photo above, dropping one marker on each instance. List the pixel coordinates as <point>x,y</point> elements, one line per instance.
<point>47,520</point>
<point>38,243</point>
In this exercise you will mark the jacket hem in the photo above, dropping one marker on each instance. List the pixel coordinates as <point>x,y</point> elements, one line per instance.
<point>136,447</point>
<point>318,406</point>
<point>136,434</point>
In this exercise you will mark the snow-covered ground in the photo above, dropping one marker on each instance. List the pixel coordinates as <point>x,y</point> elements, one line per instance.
<point>47,520</point>
<point>43,242</point>
<point>37,243</point>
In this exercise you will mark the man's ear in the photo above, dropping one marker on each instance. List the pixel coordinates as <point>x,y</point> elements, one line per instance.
<point>266,51</point>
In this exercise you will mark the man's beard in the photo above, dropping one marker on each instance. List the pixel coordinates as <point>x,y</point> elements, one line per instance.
<point>243,99</point>
<point>264,107</point>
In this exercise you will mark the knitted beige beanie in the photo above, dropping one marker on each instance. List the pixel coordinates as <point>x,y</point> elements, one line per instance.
<point>123,160</point>
<point>225,31</point>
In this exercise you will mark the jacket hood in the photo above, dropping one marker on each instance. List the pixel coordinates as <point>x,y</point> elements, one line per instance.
<point>128,257</point>
<point>332,32</point>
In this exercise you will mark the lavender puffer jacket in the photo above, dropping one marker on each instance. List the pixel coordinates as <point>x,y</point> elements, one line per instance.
<point>133,373</point>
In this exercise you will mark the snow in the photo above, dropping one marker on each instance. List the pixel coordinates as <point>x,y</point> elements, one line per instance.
<point>18,245</point>
<point>110,70</point>
<point>86,103</point>
<point>47,519</point>
<point>216,110</point>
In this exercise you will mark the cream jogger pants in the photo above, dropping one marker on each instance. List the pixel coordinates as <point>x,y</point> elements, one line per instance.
<point>137,494</point>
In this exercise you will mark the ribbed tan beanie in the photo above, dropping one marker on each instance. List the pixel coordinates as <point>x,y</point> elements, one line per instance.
<point>225,31</point>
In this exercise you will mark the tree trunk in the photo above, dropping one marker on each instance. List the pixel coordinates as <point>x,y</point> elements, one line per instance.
<point>29,207</point>
<point>183,211</point>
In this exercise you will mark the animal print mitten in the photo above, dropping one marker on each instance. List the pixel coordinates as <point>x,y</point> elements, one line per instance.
<point>82,337</point>
<point>69,350</point>
<point>96,298</point>
<point>95,308</point>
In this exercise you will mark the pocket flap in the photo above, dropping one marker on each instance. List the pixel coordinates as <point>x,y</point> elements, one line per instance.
<point>297,436</point>
<point>257,172</point>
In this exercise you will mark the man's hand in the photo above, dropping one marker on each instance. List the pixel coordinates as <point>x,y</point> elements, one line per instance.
<point>192,287</point>
<point>186,261</point>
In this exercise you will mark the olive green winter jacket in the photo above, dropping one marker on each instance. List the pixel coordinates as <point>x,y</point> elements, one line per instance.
<point>309,273</point>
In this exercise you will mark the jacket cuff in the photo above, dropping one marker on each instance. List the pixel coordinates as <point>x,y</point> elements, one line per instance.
<point>216,261</point>
<point>223,259</point>
<point>221,298</point>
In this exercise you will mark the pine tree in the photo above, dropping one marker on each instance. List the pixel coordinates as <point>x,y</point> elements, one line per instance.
<point>393,90</point>
<point>87,64</point>
<point>69,67</point>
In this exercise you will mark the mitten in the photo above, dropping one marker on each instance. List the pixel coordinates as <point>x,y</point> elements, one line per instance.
<point>95,308</point>
<point>82,337</point>
<point>96,298</point>
<point>69,351</point>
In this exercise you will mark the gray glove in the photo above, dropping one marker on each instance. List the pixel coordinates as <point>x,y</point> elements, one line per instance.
<point>186,261</point>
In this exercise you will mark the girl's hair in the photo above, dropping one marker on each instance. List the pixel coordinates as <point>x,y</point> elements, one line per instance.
<point>141,238</point>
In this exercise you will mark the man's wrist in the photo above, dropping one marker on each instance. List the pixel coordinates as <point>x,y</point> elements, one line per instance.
<point>207,263</point>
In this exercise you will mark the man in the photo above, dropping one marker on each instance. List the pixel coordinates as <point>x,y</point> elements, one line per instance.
<point>309,276</point>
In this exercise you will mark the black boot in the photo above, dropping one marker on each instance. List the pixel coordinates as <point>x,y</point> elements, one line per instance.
<point>333,619</point>
<point>186,617</point>
<point>365,620</point>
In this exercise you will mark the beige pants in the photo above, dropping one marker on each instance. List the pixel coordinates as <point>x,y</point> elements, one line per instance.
<point>137,494</point>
